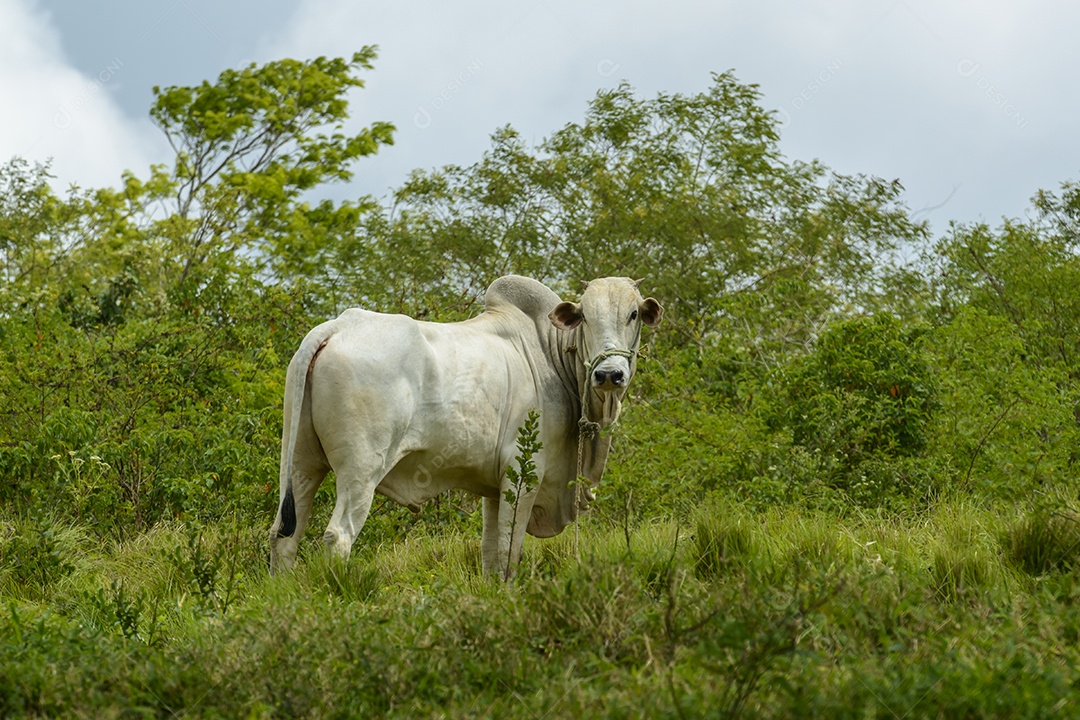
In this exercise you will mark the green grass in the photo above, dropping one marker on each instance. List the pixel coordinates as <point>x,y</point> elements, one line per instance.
<point>729,613</point>
<point>1045,540</point>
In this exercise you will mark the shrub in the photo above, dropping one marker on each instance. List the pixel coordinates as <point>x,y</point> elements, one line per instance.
<point>1008,422</point>
<point>865,390</point>
<point>858,409</point>
<point>35,556</point>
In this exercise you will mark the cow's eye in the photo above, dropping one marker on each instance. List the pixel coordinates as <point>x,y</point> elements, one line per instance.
<point>633,316</point>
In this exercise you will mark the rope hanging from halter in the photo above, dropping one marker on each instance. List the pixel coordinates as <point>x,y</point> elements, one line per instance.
<point>588,429</point>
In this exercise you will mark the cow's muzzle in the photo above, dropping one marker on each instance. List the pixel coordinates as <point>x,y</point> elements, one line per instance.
<point>610,370</point>
<point>609,379</point>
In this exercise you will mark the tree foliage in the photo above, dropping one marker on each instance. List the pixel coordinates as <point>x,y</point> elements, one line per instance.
<point>1009,342</point>
<point>690,192</point>
<point>807,358</point>
<point>145,325</point>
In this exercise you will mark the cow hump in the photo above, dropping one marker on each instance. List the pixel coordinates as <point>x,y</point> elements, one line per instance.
<point>531,297</point>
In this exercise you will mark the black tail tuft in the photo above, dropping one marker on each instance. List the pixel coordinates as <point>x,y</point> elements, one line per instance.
<point>288,515</point>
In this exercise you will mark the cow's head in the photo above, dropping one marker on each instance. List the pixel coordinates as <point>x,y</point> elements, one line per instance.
<point>610,315</point>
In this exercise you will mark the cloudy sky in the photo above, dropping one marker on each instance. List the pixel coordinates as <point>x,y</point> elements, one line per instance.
<point>971,105</point>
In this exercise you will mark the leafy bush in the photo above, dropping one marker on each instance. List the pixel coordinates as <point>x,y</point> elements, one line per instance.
<point>133,616</point>
<point>32,553</point>
<point>858,408</point>
<point>866,390</point>
<point>1007,424</point>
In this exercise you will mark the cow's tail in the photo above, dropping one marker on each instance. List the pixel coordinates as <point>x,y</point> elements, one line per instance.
<point>295,387</point>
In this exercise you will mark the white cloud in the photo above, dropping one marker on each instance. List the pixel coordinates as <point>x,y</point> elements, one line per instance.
<point>448,75</point>
<point>51,110</point>
<point>875,87</point>
<point>970,94</point>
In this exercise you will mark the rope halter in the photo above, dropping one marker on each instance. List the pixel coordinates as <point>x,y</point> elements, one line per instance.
<point>589,428</point>
<point>590,368</point>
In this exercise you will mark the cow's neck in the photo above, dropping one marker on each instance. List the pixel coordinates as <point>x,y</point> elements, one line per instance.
<point>594,410</point>
<point>571,362</point>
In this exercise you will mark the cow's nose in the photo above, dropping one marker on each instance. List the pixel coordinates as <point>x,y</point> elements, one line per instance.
<point>605,377</point>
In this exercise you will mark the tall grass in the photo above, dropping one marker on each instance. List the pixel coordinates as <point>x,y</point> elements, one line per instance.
<point>727,613</point>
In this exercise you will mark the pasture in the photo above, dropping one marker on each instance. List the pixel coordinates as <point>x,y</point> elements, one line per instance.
<point>964,612</point>
<point>844,482</point>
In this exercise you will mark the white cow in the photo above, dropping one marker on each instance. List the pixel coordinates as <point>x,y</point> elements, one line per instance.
<point>409,409</point>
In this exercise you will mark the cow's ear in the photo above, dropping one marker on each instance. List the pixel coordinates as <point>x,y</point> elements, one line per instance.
<point>566,316</point>
<point>651,312</point>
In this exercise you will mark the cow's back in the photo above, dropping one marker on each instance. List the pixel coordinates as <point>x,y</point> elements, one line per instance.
<point>441,400</point>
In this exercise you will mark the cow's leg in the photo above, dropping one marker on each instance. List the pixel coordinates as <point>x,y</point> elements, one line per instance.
<point>504,530</point>
<point>356,483</point>
<point>489,544</point>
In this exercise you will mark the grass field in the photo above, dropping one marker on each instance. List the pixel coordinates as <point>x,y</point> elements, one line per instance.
<point>964,612</point>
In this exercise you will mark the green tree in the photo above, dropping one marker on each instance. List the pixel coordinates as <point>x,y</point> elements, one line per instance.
<point>690,192</point>
<point>30,218</point>
<point>1025,273</point>
<point>145,326</point>
<point>754,255</point>
<point>1009,348</point>
<point>247,149</point>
